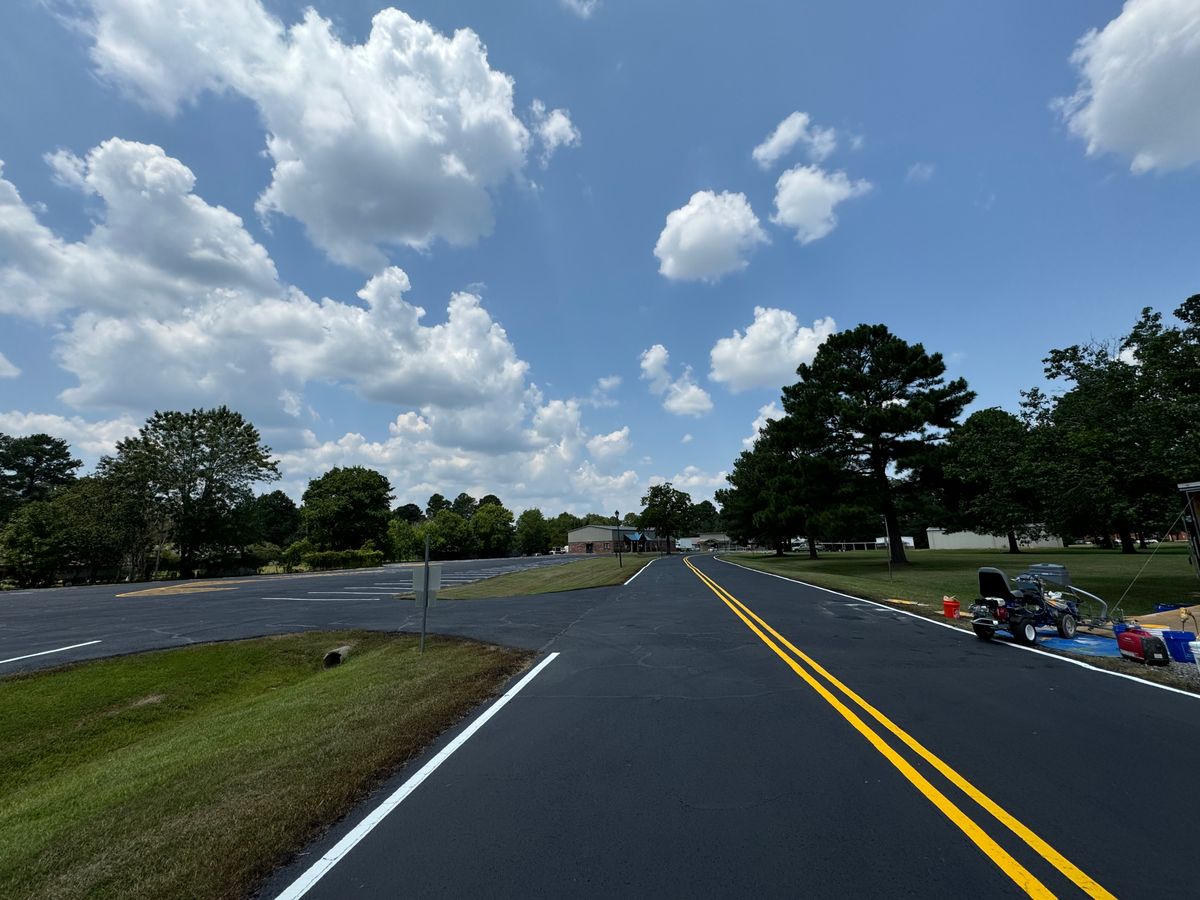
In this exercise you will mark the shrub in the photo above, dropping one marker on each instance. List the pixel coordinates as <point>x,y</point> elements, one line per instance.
<point>342,559</point>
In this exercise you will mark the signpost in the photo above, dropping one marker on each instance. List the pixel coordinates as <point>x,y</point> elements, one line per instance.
<point>427,580</point>
<point>888,532</point>
<point>619,539</point>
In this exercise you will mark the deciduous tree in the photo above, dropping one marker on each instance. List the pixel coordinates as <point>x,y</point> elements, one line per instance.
<point>346,507</point>
<point>197,466</point>
<point>533,532</point>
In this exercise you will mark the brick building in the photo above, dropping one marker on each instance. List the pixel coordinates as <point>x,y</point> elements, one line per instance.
<point>599,539</point>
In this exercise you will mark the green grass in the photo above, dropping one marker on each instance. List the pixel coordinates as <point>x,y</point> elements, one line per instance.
<point>196,772</point>
<point>931,574</point>
<point>599,571</point>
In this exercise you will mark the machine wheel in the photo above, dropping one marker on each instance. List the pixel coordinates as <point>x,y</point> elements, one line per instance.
<point>1025,632</point>
<point>1066,626</point>
<point>984,632</point>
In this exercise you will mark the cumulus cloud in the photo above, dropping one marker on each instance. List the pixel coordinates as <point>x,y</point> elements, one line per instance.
<point>7,369</point>
<point>806,197</point>
<point>796,129</point>
<point>767,355</point>
<point>91,438</point>
<point>156,248</point>
<point>709,237</point>
<point>686,439</point>
<point>398,141</point>
<point>553,129</point>
<point>604,447</point>
<point>1133,97</point>
<point>165,283</point>
<point>681,396</point>
<point>765,414</point>
<point>919,172</point>
<point>695,481</point>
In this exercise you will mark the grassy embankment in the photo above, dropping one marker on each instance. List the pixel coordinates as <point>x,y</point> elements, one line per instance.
<point>599,571</point>
<point>931,574</point>
<point>195,772</point>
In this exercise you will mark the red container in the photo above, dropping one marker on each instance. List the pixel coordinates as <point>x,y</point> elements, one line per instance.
<point>1139,644</point>
<point>950,608</point>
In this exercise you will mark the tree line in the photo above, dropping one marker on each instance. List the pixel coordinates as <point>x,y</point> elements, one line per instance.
<point>177,499</point>
<point>872,440</point>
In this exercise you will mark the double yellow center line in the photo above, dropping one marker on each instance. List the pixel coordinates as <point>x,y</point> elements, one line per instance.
<point>997,854</point>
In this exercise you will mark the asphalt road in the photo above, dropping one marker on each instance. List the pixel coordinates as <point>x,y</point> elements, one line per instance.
<point>668,750</point>
<point>106,623</point>
<point>677,745</point>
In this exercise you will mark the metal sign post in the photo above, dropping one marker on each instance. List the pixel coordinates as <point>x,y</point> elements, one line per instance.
<point>426,582</point>
<point>619,539</point>
<point>888,532</point>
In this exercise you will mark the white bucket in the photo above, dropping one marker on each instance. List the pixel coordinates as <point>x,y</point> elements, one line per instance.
<point>1194,646</point>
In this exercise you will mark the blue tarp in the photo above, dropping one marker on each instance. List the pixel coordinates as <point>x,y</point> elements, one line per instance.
<point>634,536</point>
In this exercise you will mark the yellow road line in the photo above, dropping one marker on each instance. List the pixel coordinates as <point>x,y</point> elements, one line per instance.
<point>190,587</point>
<point>1007,864</point>
<point>1083,881</point>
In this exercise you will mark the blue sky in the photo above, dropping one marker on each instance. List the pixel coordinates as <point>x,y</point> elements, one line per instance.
<point>193,198</point>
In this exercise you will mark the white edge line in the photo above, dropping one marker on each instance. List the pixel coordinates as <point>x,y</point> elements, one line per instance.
<point>962,631</point>
<point>44,652</point>
<point>321,867</point>
<point>640,571</point>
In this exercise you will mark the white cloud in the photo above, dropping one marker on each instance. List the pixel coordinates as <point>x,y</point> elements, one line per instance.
<point>91,438</point>
<point>681,396</point>
<point>604,447</point>
<point>709,237</point>
<point>7,369</point>
<point>765,414</point>
<point>768,353</point>
<point>686,398</point>
<point>795,129</point>
<point>398,141</point>
<point>919,172</point>
<point>695,481</point>
<point>1136,92</point>
<point>602,393</point>
<point>686,439</point>
<point>654,368</point>
<point>553,129</point>
<point>581,8</point>
<point>196,315</point>
<point>805,199</point>
<point>156,249</point>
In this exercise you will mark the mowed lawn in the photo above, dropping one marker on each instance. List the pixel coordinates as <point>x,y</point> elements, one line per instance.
<point>598,571</point>
<point>932,574</point>
<point>196,772</point>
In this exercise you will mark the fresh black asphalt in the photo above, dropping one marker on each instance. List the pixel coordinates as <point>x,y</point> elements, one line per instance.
<point>38,620</point>
<point>667,751</point>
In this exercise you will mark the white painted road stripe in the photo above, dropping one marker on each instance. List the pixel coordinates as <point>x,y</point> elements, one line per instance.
<point>346,591</point>
<point>44,652</point>
<point>324,599</point>
<point>317,870</point>
<point>640,571</point>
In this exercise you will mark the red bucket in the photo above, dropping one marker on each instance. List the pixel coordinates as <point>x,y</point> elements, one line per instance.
<point>950,608</point>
